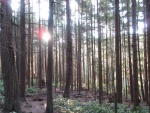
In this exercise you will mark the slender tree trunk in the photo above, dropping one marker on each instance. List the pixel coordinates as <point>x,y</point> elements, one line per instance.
<point>145,58</point>
<point>118,67</point>
<point>56,62</point>
<point>40,53</point>
<point>139,59</point>
<point>106,57</point>
<point>60,64</point>
<point>79,58</point>
<point>129,52</point>
<point>68,52</point>
<point>135,67</point>
<point>92,47</point>
<point>29,43</point>
<point>76,38</point>
<point>63,71</point>
<point>87,56</point>
<point>140,70</point>
<point>100,57</point>
<point>23,54</point>
<point>148,40</point>
<point>32,66</point>
<point>49,107</point>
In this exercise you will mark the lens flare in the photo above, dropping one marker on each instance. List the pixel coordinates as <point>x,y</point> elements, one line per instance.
<point>46,37</point>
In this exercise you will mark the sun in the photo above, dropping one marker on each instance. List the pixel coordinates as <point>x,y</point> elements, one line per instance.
<point>46,37</point>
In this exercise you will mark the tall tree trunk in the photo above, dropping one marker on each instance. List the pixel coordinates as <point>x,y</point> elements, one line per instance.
<point>32,66</point>
<point>76,69</point>
<point>18,54</point>
<point>92,50</point>
<point>40,54</point>
<point>49,107</point>
<point>56,62</point>
<point>9,72</point>
<point>118,67</point>
<point>87,57</point>
<point>129,52</point>
<point>79,58</point>
<point>60,64</point>
<point>106,56</point>
<point>23,54</point>
<point>63,58</point>
<point>140,70</point>
<point>148,40</point>
<point>68,51</point>
<point>135,67</point>
<point>99,57</point>
<point>145,58</point>
<point>79,52</point>
<point>29,43</point>
<point>139,58</point>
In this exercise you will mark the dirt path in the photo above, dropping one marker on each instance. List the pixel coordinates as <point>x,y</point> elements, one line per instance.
<point>37,103</point>
<point>34,105</point>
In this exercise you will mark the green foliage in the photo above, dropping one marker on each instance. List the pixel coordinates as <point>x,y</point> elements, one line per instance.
<point>1,91</point>
<point>31,90</point>
<point>13,112</point>
<point>141,109</point>
<point>63,105</point>
<point>0,72</point>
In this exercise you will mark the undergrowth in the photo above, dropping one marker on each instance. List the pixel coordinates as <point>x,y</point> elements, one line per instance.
<point>31,91</point>
<point>1,91</point>
<point>63,105</point>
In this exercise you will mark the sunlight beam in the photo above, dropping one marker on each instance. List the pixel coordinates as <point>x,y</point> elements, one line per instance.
<point>46,37</point>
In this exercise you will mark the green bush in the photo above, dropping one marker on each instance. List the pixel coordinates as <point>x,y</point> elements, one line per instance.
<point>31,90</point>
<point>73,106</point>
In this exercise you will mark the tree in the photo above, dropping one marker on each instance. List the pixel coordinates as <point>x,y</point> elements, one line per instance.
<point>117,47</point>
<point>99,56</point>
<point>68,52</point>
<point>148,39</point>
<point>29,44</point>
<point>23,54</point>
<point>129,52</point>
<point>40,54</point>
<point>145,57</point>
<point>10,78</point>
<point>135,67</point>
<point>49,107</point>
<point>79,82</point>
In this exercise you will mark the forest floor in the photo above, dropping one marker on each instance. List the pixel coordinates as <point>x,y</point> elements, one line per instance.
<point>37,103</point>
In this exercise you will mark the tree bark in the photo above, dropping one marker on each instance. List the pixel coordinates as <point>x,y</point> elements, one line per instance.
<point>145,58</point>
<point>135,67</point>
<point>148,40</point>
<point>99,57</point>
<point>117,47</point>
<point>29,44</point>
<point>9,72</point>
<point>49,107</point>
<point>129,52</point>
<point>68,52</point>
<point>23,54</point>
<point>40,53</point>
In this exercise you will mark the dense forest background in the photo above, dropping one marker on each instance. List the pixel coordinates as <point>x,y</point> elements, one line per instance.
<point>101,47</point>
